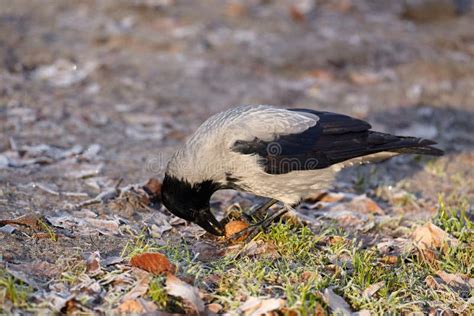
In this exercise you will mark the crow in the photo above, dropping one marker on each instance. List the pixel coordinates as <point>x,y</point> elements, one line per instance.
<point>280,154</point>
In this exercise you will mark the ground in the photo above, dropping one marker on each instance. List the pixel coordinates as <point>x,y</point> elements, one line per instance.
<point>95,96</point>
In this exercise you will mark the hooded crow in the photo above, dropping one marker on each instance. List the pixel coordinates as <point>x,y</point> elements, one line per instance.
<point>281,154</point>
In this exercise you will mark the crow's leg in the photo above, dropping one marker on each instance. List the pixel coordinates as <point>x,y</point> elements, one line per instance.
<point>256,212</point>
<point>265,223</point>
<point>260,210</point>
<point>292,217</point>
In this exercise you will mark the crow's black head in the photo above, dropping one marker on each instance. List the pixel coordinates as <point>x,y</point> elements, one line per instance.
<point>191,202</point>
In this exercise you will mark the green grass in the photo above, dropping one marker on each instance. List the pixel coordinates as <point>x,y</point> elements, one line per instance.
<point>307,263</point>
<point>455,221</point>
<point>299,265</point>
<point>13,290</point>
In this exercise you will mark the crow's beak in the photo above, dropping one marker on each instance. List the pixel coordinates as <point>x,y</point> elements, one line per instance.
<point>206,220</point>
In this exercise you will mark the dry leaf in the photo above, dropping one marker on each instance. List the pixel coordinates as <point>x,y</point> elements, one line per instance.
<point>153,188</point>
<point>31,220</point>
<point>455,280</point>
<point>319,310</point>
<point>269,305</point>
<point>64,73</point>
<point>389,259</point>
<point>364,205</point>
<point>235,9</point>
<point>394,248</point>
<point>85,222</point>
<point>190,294</point>
<point>140,288</point>
<point>430,236</point>
<point>333,240</point>
<point>131,306</point>
<point>363,78</point>
<point>260,248</point>
<point>322,75</point>
<point>287,312</point>
<point>85,171</point>
<point>369,204</point>
<point>137,306</point>
<point>255,306</point>
<point>206,252</point>
<point>337,304</point>
<point>37,269</point>
<point>431,282</point>
<point>306,275</point>
<point>93,263</point>
<point>342,6</point>
<point>372,289</point>
<point>103,226</point>
<point>234,227</point>
<point>155,263</point>
<point>214,308</point>
<point>296,14</point>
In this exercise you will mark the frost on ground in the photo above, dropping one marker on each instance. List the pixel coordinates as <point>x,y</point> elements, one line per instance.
<point>94,97</point>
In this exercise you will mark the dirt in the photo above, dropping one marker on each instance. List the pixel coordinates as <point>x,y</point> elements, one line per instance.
<point>137,77</point>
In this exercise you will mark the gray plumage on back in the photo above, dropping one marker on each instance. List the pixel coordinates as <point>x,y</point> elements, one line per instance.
<point>216,136</point>
<point>283,154</point>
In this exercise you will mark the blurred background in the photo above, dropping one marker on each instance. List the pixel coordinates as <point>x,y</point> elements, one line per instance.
<point>122,83</point>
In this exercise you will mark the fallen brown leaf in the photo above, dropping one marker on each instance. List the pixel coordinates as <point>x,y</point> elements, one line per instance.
<point>456,280</point>
<point>372,289</point>
<point>260,248</point>
<point>255,306</point>
<point>206,252</point>
<point>131,306</point>
<point>153,188</point>
<point>322,75</point>
<point>337,303</point>
<point>296,14</point>
<point>214,308</point>
<point>288,312</point>
<point>31,220</point>
<point>363,78</point>
<point>319,310</point>
<point>140,288</point>
<point>155,263</point>
<point>364,204</point>
<point>93,263</point>
<point>430,237</point>
<point>333,240</point>
<point>342,6</point>
<point>389,259</point>
<point>306,275</point>
<point>235,9</point>
<point>431,282</point>
<point>37,269</point>
<point>362,312</point>
<point>136,306</point>
<point>190,294</point>
<point>235,227</point>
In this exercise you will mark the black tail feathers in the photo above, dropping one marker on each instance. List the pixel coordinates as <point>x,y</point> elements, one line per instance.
<point>415,145</point>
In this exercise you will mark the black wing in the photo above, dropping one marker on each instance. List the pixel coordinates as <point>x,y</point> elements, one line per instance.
<point>335,138</point>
